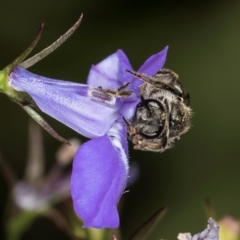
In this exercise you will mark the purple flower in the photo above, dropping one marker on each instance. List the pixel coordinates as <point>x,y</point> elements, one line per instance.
<point>100,167</point>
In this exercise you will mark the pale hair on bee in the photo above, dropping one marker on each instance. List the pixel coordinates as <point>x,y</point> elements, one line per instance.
<point>163,114</point>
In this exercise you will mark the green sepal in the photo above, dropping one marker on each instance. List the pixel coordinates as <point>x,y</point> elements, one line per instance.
<point>26,53</point>
<point>22,98</point>
<point>17,96</point>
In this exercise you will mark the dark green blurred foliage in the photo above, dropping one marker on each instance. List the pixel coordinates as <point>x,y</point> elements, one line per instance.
<point>204,40</point>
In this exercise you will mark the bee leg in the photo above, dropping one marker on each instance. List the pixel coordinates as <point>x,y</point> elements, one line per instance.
<point>142,76</point>
<point>126,121</point>
<point>121,92</point>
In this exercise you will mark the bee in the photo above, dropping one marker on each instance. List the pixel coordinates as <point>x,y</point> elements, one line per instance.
<point>163,113</point>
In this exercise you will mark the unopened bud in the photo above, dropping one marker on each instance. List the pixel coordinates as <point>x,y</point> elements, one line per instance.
<point>229,228</point>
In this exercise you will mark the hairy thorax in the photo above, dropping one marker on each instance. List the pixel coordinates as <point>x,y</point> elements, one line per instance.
<point>163,114</point>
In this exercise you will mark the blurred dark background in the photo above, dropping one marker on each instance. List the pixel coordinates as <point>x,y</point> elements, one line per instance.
<point>204,41</point>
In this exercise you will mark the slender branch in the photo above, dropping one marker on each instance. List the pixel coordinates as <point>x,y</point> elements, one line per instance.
<point>35,116</point>
<point>60,221</point>
<point>147,227</point>
<point>35,163</point>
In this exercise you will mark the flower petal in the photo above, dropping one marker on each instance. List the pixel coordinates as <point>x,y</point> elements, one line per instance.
<point>72,104</point>
<point>99,178</point>
<point>124,64</point>
<point>151,66</point>
<point>128,107</point>
<point>109,73</point>
<point>210,233</point>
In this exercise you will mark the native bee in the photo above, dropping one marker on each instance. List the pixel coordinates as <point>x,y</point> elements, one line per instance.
<point>163,113</point>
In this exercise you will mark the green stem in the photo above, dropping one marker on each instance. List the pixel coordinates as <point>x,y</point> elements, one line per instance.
<point>17,225</point>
